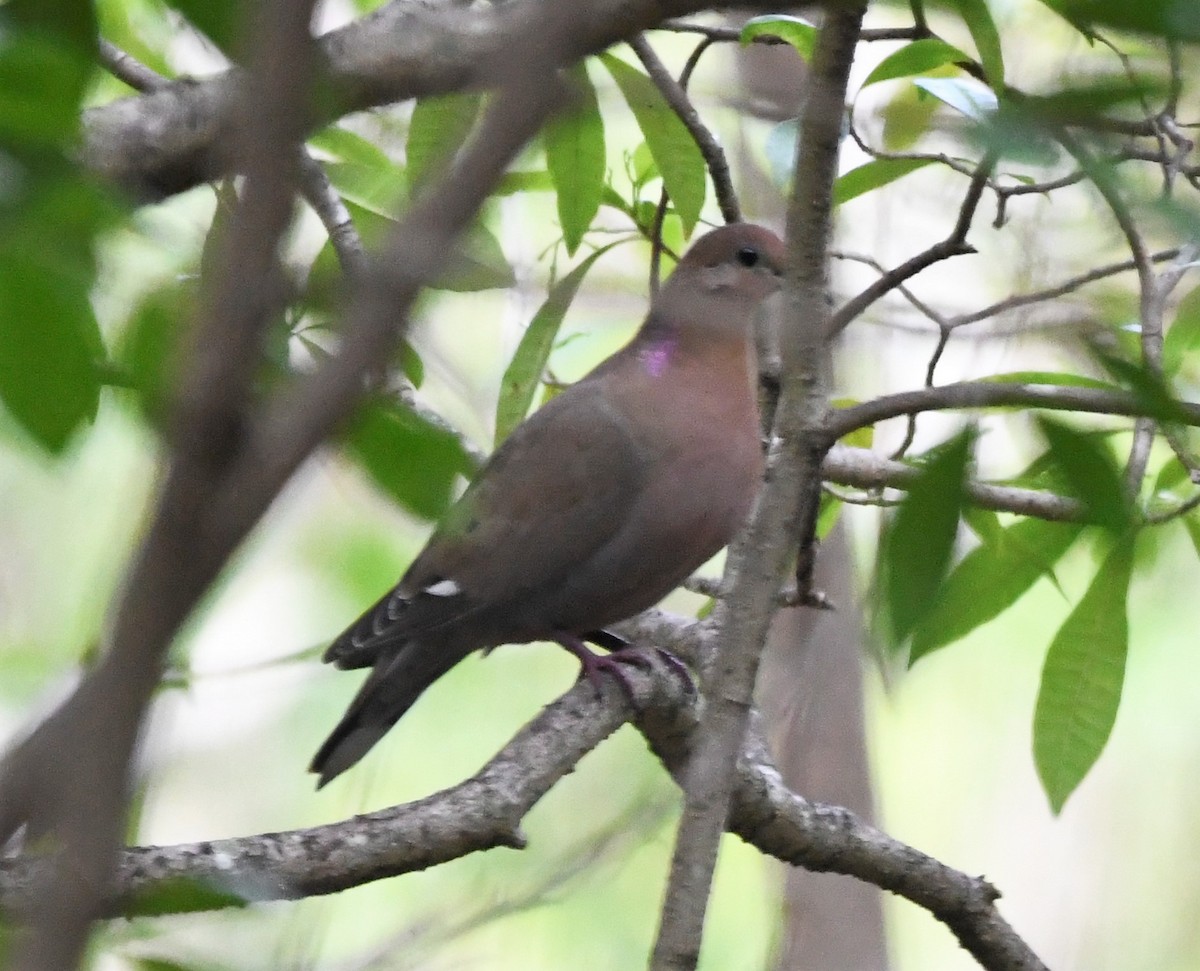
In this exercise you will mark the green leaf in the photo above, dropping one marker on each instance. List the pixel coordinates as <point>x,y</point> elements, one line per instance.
<point>511,183</point>
<point>795,30</point>
<point>861,437</point>
<point>990,579</point>
<point>183,895</point>
<point>920,541</point>
<point>412,460</point>
<point>1170,475</point>
<point>361,171</point>
<point>915,58</point>
<point>965,95</point>
<point>166,964</point>
<point>1091,473</point>
<point>150,346</point>
<point>907,116</point>
<point>829,511</point>
<point>1063,378</point>
<point>219,20</point>
<point>438,129</point>
<point>978,18</point>
<point>1082,680</point>
<point>478,263</point>
<point>124,24</point>
<point>1171,19</point>
<point>871,175</point>
<point>49,347</point>
<point>983,523</point>
<point>524,372</point>
<point>642,167</point>
<point>41,83</point>
<point>675,152</point>
<point>575,157</point>
<point>349,146</point>
<point>1191,523</point>
<point>1149,388</point>
<point>1087,102</point>
<point>71,22</point>
<point>1183,336</point>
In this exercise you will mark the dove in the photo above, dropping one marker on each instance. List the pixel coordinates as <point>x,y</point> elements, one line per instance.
<point>598,505</point>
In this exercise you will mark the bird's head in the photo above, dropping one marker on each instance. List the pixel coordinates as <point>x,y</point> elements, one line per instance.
<point>724,277</point>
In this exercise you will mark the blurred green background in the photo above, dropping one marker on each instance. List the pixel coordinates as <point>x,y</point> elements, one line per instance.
<point>1109,885</point>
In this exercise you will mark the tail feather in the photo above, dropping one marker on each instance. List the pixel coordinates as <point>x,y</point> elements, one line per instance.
<point>398,679</point>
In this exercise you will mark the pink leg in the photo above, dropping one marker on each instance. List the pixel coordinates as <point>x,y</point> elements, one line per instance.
<point>593,664</point>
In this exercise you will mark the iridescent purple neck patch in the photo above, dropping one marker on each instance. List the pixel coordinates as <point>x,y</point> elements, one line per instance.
<point>656,355</point>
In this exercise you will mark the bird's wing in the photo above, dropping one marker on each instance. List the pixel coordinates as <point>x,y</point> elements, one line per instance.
<point>552,495</point>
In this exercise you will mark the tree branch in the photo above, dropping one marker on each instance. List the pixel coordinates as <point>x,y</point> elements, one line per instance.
<point>228,462</point>
<point>173,138</point>
<point>486,810</point>
<point>785,513</point>
<point>70,777</point>
<point>982,394</point>
<point>1017,301</point>
<point>953,245</point>
<point>676,96</point>
<point>863,469</point>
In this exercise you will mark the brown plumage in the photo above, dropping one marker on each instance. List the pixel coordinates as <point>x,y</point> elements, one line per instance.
<point>596,507</point>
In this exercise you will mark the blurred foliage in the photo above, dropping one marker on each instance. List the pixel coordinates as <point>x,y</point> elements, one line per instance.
<point>917,550</point>
<point>95,300</point>
<point>50,216</point>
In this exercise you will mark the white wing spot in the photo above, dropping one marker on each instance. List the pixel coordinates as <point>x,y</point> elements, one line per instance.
<point>443,588</point>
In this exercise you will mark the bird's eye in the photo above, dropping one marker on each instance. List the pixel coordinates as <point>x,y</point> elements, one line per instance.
<point>747,256</point>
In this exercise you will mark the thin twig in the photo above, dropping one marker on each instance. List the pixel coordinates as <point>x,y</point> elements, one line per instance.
<point>676,96</point>
<point>910,432</point>
<point>936,316</point>
<point>954,244</point>
<point>1151,310</point>
<point>127,68</point>
<point>734,35</point>
<point>863,469</point>
<point>319,193</point>
<point>983,394</point>
<point>1018,301</point>
<point>869,498</point>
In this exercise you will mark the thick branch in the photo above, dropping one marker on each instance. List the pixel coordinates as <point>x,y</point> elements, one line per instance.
<point>785,513</point>
<point>173,138</point>
<point>229,461</point>
<point>70,777</point>
<point>485,811</point>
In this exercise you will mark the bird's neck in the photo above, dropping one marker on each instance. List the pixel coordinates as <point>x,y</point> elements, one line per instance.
<point>661,345</point>
<point>656,352</point>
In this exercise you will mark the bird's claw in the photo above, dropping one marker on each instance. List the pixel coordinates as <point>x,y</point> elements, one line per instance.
<point>592,665</point>
<point>595,664</point>
<point>678,668</point>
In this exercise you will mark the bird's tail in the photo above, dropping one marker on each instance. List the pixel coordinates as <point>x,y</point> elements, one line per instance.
<point>397,680</point>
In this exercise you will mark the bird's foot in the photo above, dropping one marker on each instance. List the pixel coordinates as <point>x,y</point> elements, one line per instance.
<point>592,665</point>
